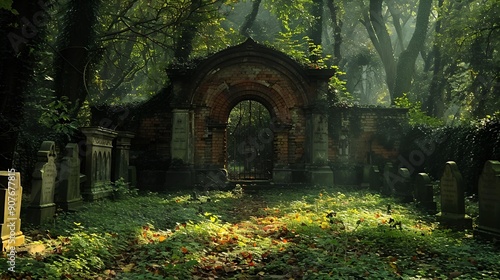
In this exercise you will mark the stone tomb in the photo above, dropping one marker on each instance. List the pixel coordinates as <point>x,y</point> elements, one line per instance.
<point>452,199</point>
<point>402,186</point>
<point>489,201</point>
<point>68,195</point>
<point>11,193</point>
<point>42,207</point>
<point>424,193</point>
<point>99,146</point>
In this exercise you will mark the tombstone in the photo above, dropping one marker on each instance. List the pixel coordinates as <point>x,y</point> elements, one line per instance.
<point>98,155</point>
<point>402,186</point>
<point>121,155</point>
<point>452,199</point>
<point>68,195</point>
<point>424,193</point>
<point>388,180</point>
<point>489,201</point>
<point>365,183</point>
<point>42,207</point>
<point>11,193</point>
<point>375,178</point>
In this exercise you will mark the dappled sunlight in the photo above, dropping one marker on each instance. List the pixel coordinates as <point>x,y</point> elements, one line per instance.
<point>306,233</point>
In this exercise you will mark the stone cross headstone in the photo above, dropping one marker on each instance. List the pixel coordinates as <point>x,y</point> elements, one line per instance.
<point>42,207</point>
<point>489,201</point>
<point>68,193</point>
<point>424,193</point>
<point>402,186</point>
<point>388,179</point>
<point>452,199</point>
<point>375,178</point>
<point>11,193</point>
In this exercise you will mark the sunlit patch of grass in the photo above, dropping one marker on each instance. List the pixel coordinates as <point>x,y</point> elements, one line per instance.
<point>312,233</point>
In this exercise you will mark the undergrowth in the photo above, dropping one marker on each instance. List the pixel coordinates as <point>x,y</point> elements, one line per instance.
<point>277,233</point>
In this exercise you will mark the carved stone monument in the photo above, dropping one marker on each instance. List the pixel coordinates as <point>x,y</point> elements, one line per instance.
<point>319,171</point>
<point>99,146</point>
<point>11,193</point>
<point>452,199</point>
<point>489,201</point>
<point>42,207</point>
<point>68,195</point>
<point>181,173</point>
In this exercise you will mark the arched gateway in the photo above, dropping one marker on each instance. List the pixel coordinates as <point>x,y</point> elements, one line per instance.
<point>204,95</point>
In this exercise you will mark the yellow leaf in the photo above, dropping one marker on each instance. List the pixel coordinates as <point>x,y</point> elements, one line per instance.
<point>162,238</point>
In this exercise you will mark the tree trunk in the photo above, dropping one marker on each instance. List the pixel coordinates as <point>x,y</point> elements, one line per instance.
<point>435,102</point>
<point>316,29</point>
<point>337,32</point>
<point>375,25</point>
<point>250,18</point>
<point>76,50</point>
<point>406,61</point>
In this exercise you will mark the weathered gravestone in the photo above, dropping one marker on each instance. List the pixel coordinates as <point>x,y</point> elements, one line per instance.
<point>11,193</point>
<point>389,179</point>
<point>42,207</point>
<point>424,193</point>
<point>489,201</point>
<point>452,199</point>
<point>68,195</point>
<point>375,178</point>
<point>402,186</point>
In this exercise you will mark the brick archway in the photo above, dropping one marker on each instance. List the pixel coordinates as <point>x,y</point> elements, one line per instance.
<point>205,94</point>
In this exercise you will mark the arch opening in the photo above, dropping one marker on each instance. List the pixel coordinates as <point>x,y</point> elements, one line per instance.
<point>250,152</point>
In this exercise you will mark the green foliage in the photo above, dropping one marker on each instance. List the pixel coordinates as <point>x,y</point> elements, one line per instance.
<point>415,113</point>
<point>309,233</point>
<point>470,145</point>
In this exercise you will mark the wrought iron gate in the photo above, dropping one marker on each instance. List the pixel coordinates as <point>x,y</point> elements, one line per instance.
<point>250,145</point>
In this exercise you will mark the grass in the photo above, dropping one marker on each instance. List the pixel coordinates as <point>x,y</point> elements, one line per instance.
<point>271,233</point>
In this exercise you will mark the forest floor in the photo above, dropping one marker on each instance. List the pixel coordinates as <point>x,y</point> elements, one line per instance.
<point>260,233</point>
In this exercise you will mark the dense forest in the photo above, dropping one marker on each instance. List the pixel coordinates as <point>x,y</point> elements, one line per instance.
<point>59,57</point>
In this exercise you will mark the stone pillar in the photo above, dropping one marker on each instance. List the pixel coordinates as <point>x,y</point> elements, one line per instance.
<point>319,173</point>
<point>42,207</point>
<point>122,155</point>
<point>99,147</point>
<point>68,195</point>
<point>11,193</point>
<point>181,173</point>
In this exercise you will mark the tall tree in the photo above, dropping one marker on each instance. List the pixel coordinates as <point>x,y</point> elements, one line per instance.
<point>399,72</point>
<point>333,8</point>
<point>76,50</point>
<point>250,19</point>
